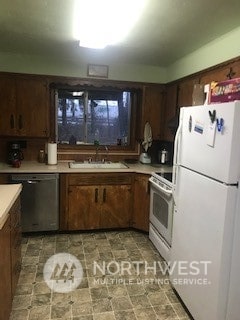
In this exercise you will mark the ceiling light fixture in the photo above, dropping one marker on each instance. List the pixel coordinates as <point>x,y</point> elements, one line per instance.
<point>98,23</point>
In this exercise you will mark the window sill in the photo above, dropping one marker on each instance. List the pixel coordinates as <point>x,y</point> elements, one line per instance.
<point>91,150</point>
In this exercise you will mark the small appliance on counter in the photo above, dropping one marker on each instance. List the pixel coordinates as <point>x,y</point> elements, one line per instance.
<point>163,156</point>
<point>15,154</point>
<point>145,158</point>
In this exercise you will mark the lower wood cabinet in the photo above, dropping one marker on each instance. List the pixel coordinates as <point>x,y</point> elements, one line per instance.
<point>141,204</point>
<point>104,200</point>
<point>96,201</point>
<point>5,271</point>
<point>16,239</point>
<point>10,259</point>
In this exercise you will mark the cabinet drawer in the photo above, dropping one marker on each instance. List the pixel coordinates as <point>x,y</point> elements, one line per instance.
<point>100,179</point>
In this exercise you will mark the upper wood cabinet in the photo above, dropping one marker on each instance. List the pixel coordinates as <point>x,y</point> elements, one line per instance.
<point>153,110</point>
<point>7,106</point>
<point>170,109</point>
<point>24,107</point>
<point>185,92</point>
<point>221,73</point>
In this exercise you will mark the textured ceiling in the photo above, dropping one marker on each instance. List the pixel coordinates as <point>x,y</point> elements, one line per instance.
<point>168,30</point>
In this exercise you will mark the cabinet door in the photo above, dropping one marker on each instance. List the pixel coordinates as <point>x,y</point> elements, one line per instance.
<point>7,106</point>
<point>153,110</point>
<point>170,110</point>
<point>185,92</point>
<point>84,207</point>
<point>16,236</point>
<point>141,202</point>
<point>32,107</point>
<point>5,272</point>
<point>116,206</point>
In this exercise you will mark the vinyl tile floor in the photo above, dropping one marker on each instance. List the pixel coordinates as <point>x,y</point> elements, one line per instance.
<point>125,284</point>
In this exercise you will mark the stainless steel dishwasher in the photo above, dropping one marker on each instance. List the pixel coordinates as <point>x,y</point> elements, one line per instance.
<point>39,201</point>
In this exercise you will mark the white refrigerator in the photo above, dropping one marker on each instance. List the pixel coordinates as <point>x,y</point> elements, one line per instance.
<point>205,253</point>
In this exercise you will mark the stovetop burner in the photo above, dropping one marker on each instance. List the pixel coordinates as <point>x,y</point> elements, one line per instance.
<point>165,175</point>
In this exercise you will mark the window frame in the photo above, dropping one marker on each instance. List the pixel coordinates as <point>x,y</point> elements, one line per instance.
<point>118,149</point>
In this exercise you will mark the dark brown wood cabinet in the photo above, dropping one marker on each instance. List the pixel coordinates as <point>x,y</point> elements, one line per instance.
<point>10,259</point>
<point>185,92</point>
<point>170,110</point>
<point>140,218</point>
<point>7,106</point>
<point>96,201</point>
<point>116,206</point>
<point>5,271</point>
<point>221,73</point>
<point>16,237</point>
<point>24,107</point>
<point>153,110</point>
<point>83,208</point>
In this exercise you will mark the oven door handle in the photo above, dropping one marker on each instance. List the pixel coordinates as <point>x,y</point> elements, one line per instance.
<point>168,192</point>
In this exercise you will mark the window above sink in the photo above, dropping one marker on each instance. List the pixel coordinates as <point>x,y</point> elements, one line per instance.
<point>87,115</point>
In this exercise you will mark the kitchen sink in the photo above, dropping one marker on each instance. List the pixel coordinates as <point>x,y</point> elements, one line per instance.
<point>97,165</point>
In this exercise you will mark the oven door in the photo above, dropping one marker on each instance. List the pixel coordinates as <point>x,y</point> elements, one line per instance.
<point>161,211</point>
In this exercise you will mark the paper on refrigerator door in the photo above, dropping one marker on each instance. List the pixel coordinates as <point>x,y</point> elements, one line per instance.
<point>210,135</point>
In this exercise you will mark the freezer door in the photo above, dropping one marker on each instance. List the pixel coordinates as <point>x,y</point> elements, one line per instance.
<point>201,244</point>
<point>210,149</point>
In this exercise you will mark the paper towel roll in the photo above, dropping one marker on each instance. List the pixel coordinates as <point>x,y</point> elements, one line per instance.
<point>52,153</point>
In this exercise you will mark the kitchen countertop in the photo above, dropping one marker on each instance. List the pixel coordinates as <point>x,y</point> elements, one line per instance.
<point>10,192</point>
<point>8,195</point>
<point>63,167</point>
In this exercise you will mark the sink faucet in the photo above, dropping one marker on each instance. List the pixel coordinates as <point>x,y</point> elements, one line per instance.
<point>97,153</point>
<point>107,152</point>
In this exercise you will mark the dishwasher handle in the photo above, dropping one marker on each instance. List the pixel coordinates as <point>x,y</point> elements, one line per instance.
<point>24,178</point>
<point>32,181</point>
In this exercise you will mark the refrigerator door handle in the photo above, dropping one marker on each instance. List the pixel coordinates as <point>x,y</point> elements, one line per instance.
<point>176,155</point>
<point>174,190</point>
<point>177,139</point>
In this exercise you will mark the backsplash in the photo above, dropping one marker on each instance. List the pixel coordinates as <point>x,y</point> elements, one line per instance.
<point>29,147</point>
<point>158,145</point>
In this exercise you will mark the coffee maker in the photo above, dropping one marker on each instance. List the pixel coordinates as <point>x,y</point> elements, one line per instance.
<point>14,153</point>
